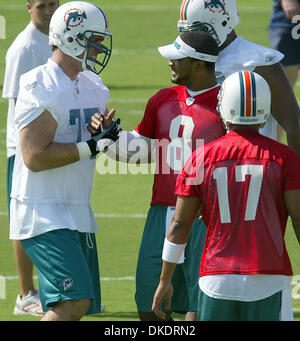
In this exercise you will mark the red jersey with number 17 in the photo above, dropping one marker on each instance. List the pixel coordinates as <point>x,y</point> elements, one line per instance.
<point>244,177</point>
<point>176,121</point>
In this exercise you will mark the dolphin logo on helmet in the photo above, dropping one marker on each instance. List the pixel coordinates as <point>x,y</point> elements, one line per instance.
<point>74,18</point>
<point>215,5</point>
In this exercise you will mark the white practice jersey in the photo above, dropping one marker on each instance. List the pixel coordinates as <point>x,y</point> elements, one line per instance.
<point>242,54</point>
<point>30,49</point>
<point>63,189</point>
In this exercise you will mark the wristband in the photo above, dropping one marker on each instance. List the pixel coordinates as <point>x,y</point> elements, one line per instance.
<point>172,252</point>
<point>84,150</point>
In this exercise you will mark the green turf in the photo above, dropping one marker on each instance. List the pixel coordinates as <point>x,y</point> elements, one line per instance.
<point>135,72</point>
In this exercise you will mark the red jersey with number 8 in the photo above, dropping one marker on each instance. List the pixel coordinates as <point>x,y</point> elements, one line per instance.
<point>177,122</point>
<point>245,176</point>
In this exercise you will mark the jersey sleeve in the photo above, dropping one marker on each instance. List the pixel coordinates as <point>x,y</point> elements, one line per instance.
<point>33,100</point>
<point>147,126</point>
<point>18,61</point>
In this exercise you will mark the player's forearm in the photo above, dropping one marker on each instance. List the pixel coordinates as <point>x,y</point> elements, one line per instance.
<point>167,271</point>
<point>53,156</point>
<point>132,148</point>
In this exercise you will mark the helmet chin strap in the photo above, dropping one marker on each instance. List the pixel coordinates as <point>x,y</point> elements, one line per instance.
<point>83,63</point>
<point>82,60</point>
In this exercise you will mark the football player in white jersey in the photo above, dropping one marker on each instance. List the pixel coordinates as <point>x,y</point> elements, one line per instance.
<point>30,49</point>
<point>53,173</point>
<point>237,54</point>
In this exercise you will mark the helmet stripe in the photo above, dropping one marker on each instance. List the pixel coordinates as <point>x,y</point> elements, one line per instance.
<point>183,9</point>
<point>253,85</point>
<point>242,93</point>
<point>248,93</point>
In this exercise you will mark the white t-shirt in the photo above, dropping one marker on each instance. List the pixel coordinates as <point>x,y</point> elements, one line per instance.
<point>59,197</point>
<point>29,50</point>
<point>242,54</point>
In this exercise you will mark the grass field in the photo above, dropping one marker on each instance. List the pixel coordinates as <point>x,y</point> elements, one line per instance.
<point>135,72</point>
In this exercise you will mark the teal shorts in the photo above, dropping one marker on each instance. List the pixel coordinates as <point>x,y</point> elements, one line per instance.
<point>212,309</point>
<point>186,275</point>
<point>67,263</point>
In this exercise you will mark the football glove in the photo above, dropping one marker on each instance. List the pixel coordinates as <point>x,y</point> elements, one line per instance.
<point>110,135</point>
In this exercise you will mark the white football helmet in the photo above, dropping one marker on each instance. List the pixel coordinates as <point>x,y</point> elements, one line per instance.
<point>217,17</point>
<point>244,98</point>
<point>72,28</point>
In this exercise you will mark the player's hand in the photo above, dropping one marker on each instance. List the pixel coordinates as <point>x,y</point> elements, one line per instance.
<point>97,120</point>
<point>290,8</point>
<point>163,292</point>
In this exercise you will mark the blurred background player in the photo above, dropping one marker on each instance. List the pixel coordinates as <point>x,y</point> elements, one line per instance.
<point>54,166</point>
<point>30,49</point>
<point>220,18</point>
<point>250,185</point>
<point>281,38</point>
<point>175,118</point>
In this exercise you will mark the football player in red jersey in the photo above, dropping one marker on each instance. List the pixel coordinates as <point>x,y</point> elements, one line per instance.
<point>176,118</point>
<point>250,185</point>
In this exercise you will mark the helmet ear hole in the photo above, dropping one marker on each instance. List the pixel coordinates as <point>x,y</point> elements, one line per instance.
<point>70,40</point>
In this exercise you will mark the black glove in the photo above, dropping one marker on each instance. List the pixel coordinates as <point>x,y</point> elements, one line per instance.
<point>111,133</point>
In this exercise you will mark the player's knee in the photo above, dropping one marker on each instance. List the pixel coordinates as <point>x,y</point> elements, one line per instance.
<point>79,308</point>
<point>73,310</point>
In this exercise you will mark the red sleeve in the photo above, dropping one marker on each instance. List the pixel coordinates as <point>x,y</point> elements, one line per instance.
<point>147,125</point>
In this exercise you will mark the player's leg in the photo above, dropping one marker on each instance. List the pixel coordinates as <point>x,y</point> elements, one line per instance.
<point>67,311</point>
<point>66,286</point>
<point>89,247</point>
<point>150,262</point>
<point>27,301</point>
<point>187,285</point>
